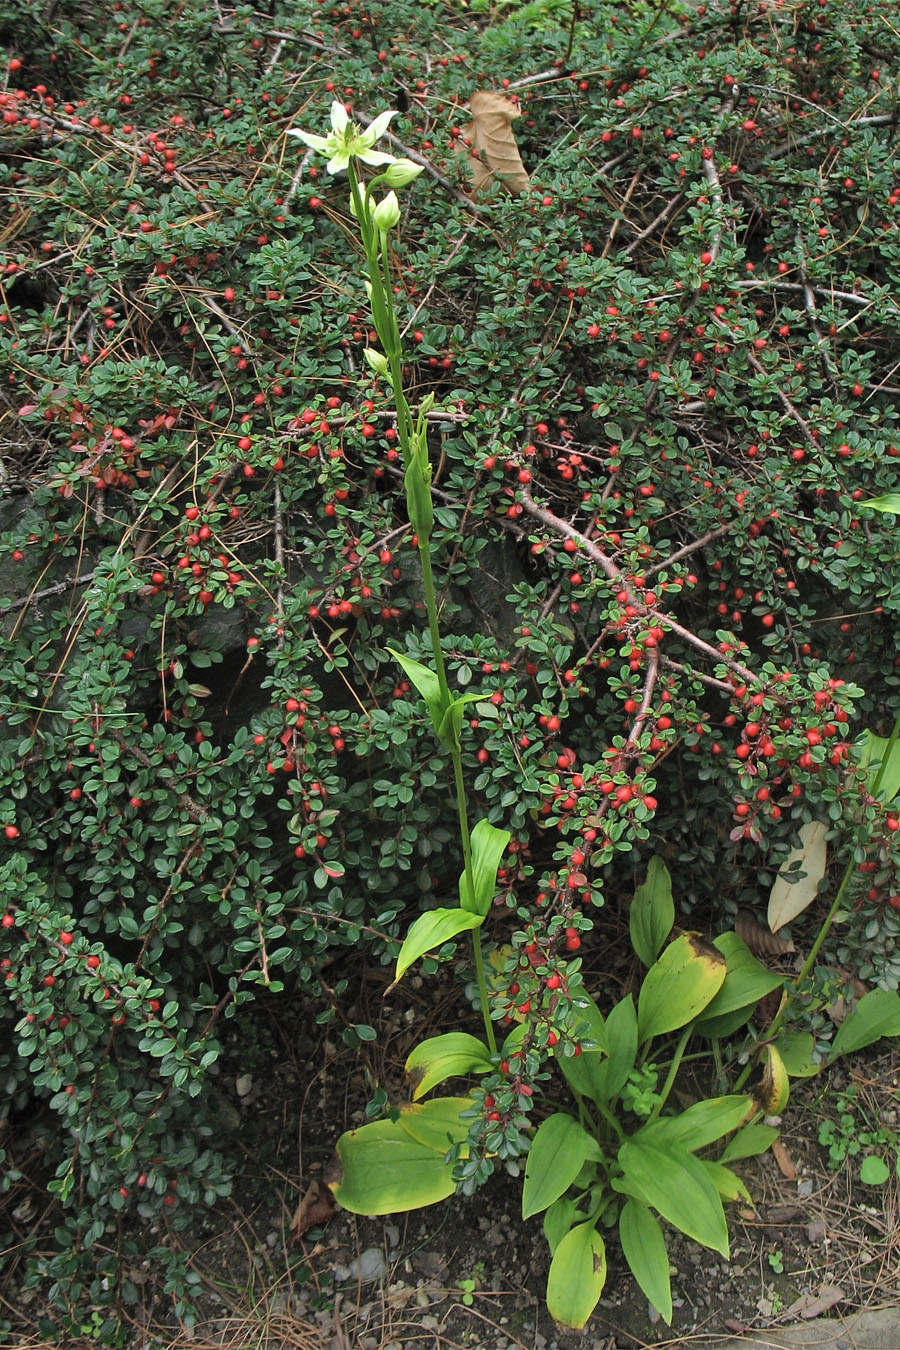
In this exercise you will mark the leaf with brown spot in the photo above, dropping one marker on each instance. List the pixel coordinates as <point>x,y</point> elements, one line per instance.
<point>492,153</point>
<point>316,1206</point>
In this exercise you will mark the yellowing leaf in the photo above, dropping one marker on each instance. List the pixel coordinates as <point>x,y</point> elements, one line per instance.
<point>797,883</point>
<point>493,156</point>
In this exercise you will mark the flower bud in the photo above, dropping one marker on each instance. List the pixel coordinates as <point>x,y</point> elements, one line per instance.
<point>377,360</point>
<point>387,213</point>
<point>401,172</point>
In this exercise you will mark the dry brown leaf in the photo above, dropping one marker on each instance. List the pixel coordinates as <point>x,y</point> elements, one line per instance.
<point>316,1206</point>
<point>813,1305</point>
<point>797,884</point>
<point>758,938</point>
<point>493,156</point>
<point>783,1158</point>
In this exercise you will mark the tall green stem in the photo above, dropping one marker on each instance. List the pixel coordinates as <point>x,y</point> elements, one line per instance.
<point>386,326</point>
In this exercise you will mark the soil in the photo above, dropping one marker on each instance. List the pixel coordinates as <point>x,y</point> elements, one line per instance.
<point>470,1272</point>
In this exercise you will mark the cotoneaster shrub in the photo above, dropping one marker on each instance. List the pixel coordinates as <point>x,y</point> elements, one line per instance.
<point>670,363</point>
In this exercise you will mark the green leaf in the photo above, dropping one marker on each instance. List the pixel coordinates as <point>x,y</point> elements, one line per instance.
<point>437,1123</point>
<point>622,1043</point>
<point>874,1171</point>
<point>679,985</point>
<point>889,502</point>
<point>796,1051</point>
<point>426,682</point>
<point>644,1245</point>
<point>700,1124</point>
<point>577,1276</point>
<point>726,1182</point>
<point>676,1184</point>
<point>749,1142</point>
<point>652,912</point>
<point>451,720</point>
<point>557,1154</point>
<point>584,1072</point>
<point>431,930</point>
<point>383,1170</point>
<point>442,1057</point>
<point>875,751</point>
<point>876,1014</point>
<point>488,846</point>
<point>558,1221</point>
<point>746,979</point>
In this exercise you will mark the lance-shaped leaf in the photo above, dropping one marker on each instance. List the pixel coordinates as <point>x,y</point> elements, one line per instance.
<point>586,1073</point>
<point>746,980</point>
<point>749,1142</point>
<point>797,883</point>
<point>425,681</point>
<point>645,1251</point>
<point>679,985</point>
<point>488,846</point>
<point>772,1091</point>
<point>876,1014</point>
<point>558,1220</point>
<point>676,1184</point>
<point>431,930</point>
<point>700,1124</point>
<point>443,1057</point>
<point>889,502</point>
<point>451,721</point>
<point>652,912</point>
<point>796,1051</point>
<point>577,1276</point>
<point>558,1151</point>
<point>727,1183</point>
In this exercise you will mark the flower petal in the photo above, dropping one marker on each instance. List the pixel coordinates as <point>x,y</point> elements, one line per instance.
<point>379,126</point>
<point>308,138</point>
<point>339,162</point>
<point>339,117</point>
<point>374,157</point>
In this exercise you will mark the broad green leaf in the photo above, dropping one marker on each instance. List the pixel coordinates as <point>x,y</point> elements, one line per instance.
<point>652,912</point>
<point>726,1182</point>
<point>889,502</point>
<point>383,1170</point>
<point>679,985</point>
<point>875,751</point>
<point>749,1142</point>
<point>431,930</point>
<point>488,846</point>
<point>557,1152</point>
<point>443,1057</point>
<point>796,1051</point>
<point>719,1028</point>
<point>874,1171</point>
<point>797,883</point>
<point>425,681</point>
<point>577,1276</point>
<point>436,1124</point>
<point>558,1221</point>
<point>644,1245</point>
<point>746,979</point>
<point>876,1014</point>
<point>676,1184</point>
<point>584,1072</point>
<point>700,1124</point>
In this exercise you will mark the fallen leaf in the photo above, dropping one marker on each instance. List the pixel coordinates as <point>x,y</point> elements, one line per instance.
<point>758,938</point>
<point>316,1206</point>
<point>493,156</point>
<point>813,1305</point>
<point>797,884</point>
<point>783,1158</point>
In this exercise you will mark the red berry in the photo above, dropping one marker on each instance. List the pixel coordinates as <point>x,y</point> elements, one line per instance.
<point>66,938</point>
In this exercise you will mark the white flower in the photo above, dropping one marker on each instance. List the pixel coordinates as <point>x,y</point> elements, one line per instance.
<point>348,140</point>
